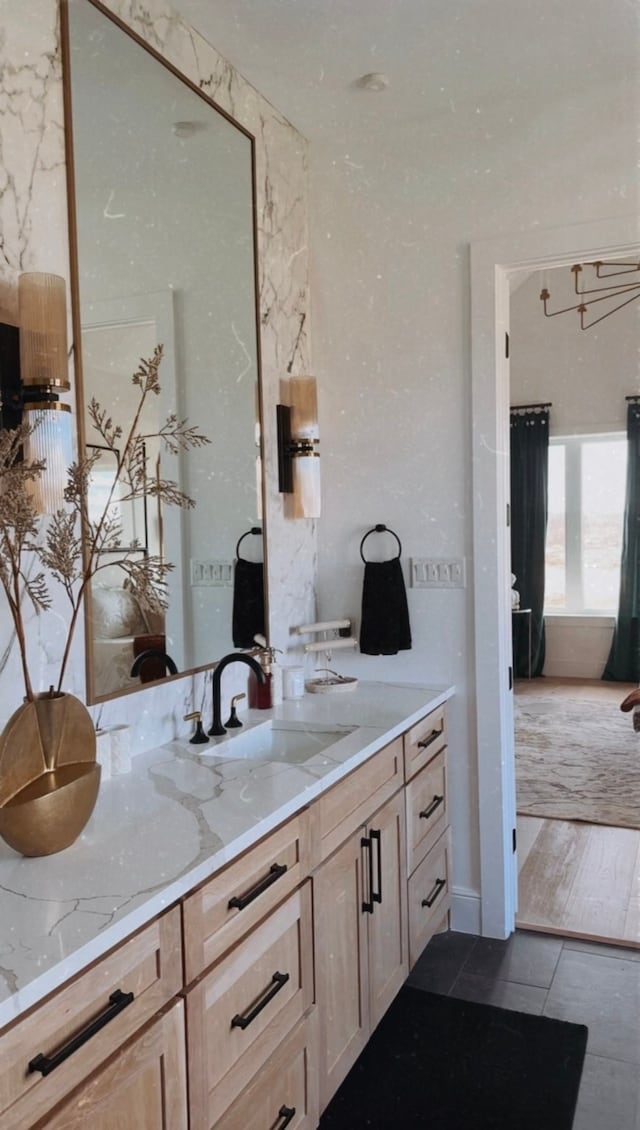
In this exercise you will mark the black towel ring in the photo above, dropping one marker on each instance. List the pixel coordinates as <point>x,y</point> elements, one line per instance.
<point>253,530</point>
<point>381,529</point>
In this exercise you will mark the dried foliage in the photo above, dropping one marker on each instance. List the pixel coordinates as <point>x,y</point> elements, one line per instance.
<point>71,545</point>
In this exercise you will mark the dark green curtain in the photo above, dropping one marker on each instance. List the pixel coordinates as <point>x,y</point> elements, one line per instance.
<point>529,475</point>
<point>623,664</point>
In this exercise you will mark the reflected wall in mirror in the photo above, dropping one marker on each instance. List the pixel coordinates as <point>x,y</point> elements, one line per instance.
<point>163,212</point>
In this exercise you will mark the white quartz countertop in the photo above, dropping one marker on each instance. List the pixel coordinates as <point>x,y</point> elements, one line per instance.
<point>159,831</point>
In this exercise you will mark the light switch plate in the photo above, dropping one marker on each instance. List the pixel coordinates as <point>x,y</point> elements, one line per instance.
<point>438,573</point>
<point>217,574</point>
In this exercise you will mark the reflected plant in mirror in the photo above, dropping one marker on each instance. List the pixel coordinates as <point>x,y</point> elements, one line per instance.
<point>163,232</point>
<point>74,544</point>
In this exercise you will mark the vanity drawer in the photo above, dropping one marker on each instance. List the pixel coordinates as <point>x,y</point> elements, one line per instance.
<point>230,904</point>
<point>350,803</point>
<point>148,965</point>
<point>429,896</point>
<point>239,1012</point>
<point>285,1092</point>
<point>424,740</point>
<point>427,815</point>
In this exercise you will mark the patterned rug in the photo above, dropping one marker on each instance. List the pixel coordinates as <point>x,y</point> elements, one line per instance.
<point>577,761</point>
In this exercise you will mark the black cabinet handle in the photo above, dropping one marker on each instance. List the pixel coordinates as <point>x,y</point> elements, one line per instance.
<point>278,981</point>
<point>238,902</point>
<point>286,1113</point>
<point>433,894</point>
<point>47,1063</point>
<point>426,742</point>
<point>376,896</point>
<point>435,803</point>
<point>367,905</point>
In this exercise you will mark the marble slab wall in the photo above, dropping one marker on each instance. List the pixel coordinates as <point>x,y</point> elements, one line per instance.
<point>34,236</point>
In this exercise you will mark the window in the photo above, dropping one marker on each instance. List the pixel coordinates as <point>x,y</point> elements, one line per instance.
<point>587,480</point>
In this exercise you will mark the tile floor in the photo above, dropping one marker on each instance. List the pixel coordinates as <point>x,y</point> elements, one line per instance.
<point>585,982</point>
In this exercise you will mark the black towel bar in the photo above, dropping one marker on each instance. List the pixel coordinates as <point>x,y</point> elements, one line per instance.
<point>380,529</point>
<point>253,530</point>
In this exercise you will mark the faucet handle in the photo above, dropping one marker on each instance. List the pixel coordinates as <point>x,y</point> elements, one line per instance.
<point>233,720</point>
<point>199,736</point>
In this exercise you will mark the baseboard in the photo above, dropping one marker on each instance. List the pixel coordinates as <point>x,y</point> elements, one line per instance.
<point>466,915</point>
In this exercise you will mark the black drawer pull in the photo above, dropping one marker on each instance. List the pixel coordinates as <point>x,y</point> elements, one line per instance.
<point>433,894</point>
<point>376,896</point>
<point>47,1063</point>
<point>238,902</point>
<point>367,905</point>
<point>435,803</point>
<point>278,981</point>
<point>286,1113</point>
<point>430,740</point>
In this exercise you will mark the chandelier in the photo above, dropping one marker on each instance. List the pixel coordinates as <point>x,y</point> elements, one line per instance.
<point>609,292</point>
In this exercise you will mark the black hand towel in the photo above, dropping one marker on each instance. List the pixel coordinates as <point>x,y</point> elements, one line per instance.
<point>248,602</point>
<point>384,629</point>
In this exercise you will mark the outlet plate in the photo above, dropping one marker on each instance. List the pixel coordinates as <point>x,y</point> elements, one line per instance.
<point>438,573</point>
<point>215,574</point>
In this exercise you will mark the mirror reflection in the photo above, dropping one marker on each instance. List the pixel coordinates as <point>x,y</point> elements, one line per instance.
<point>164,218</point>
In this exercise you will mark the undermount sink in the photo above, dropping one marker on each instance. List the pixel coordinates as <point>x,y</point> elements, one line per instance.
<point>274,740</point>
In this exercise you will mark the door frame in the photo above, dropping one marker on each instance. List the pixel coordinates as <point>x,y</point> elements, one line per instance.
<point>493,264</point>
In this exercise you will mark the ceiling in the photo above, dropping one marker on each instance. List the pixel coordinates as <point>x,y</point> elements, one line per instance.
<point>442,57</point>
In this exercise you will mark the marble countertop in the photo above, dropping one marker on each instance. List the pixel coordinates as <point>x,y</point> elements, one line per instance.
<point>162,829</point>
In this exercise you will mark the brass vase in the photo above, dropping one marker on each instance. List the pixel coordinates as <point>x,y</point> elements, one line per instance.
<point>49,778</point>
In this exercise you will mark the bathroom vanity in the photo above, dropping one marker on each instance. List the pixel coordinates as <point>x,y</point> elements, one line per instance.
<point>217,947</point>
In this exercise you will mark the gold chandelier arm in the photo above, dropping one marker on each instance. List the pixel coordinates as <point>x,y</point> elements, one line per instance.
<point>629,269</point>
<point>602,317</point>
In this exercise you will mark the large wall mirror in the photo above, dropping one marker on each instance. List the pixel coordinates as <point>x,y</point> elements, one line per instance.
<point>163,209</point>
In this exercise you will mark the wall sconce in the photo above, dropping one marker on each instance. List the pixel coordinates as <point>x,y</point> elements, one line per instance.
<point>299,448</point>
<point>33,372</point>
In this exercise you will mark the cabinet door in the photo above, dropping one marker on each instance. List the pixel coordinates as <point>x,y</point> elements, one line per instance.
<point>143,1088</point>
<point>387,924</point>
<point>341,963</point>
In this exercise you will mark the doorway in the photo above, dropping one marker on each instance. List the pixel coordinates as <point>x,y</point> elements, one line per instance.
<point>492,264</point>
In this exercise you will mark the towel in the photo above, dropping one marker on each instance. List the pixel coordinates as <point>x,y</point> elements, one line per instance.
<point>384,628</point>
<point>248,602</point>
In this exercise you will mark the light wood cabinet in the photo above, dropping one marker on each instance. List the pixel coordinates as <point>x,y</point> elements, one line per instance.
<point>360,938</point>
<point>143,1088</point>
<point>225,908</point>
<point>429,896</point>
<point>427,809</point>
<point>58,1046</point>
<point>242,1009</point>
<point>424,740</point>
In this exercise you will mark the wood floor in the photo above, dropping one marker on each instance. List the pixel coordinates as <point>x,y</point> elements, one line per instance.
<point>579,880</point>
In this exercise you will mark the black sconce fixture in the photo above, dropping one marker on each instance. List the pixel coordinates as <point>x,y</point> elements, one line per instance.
<point>299,448</point>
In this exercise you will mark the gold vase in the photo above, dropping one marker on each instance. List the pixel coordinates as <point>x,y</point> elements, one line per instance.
<point>49,778</point>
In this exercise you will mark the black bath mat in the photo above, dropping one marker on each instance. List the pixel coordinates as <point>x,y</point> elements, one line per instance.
<point>439,1063</point>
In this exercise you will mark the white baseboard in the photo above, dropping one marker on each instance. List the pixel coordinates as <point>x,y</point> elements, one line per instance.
<point>466,916</point>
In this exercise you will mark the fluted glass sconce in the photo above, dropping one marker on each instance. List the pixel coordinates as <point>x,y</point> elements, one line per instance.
<point>299,449</point>
<point>33,373</point>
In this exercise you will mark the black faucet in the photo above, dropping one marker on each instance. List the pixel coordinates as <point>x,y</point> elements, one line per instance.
<point>153,653</point>
<point>234,657</point>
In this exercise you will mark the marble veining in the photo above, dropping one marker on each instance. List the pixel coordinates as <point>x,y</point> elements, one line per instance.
<point>161,830</point>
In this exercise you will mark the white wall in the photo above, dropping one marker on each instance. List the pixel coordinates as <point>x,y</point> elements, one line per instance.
<point>391,226</point>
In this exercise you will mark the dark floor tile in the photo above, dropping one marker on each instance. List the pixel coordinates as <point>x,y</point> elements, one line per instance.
<point>503,994</point>
<point>609,1095</point>
<point>441,962</point>
<point>529,959</point>
<point>627,952</point>
<point>603,993</point>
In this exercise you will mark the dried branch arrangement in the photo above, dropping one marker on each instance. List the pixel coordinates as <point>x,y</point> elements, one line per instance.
<point>71,545</point>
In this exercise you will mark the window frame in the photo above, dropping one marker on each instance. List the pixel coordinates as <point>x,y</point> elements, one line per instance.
<point>574,575</point>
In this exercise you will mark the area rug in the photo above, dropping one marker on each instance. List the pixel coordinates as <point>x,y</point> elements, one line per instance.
<point>577,761</point>
<point>438,1063</point>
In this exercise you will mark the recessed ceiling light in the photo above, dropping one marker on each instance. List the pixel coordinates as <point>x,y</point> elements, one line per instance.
<point>376,80</point>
